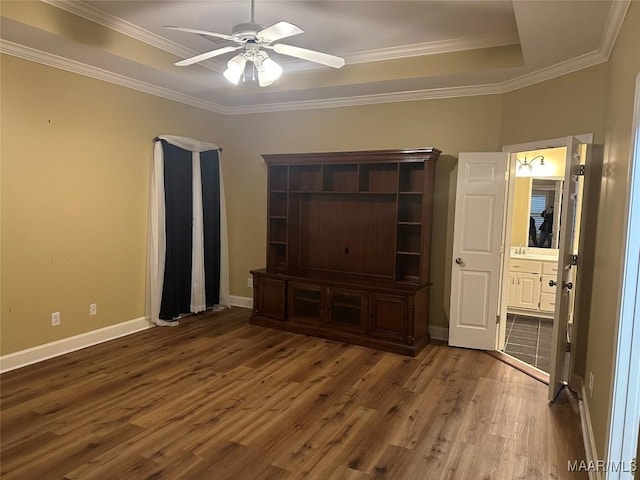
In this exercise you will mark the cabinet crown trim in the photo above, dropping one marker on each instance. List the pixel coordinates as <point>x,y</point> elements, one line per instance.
<point>369,156</point>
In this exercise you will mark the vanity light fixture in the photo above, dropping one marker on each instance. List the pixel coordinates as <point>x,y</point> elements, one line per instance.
<point>524,168</point>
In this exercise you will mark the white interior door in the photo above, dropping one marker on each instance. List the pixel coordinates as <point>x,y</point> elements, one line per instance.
<point>566,270</point>
<point>477,250</point>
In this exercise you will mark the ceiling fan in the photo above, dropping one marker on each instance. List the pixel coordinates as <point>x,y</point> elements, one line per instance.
<point>254,39</point>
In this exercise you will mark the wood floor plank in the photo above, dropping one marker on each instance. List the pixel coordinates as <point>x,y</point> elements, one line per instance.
<point>217,398</point>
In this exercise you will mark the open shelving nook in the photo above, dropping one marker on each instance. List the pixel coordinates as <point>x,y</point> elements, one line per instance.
<point>352,230</point>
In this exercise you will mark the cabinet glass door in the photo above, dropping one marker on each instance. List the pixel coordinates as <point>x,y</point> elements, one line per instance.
<point>347,308</point>
<point>305,302</point>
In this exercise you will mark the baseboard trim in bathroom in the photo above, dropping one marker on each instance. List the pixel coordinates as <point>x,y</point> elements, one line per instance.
<point>533,372</point>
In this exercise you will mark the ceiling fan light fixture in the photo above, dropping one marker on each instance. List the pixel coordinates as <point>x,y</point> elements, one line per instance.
<point>254,38</point>
<point>272,69</point>
<point>264,79</point>
<point>235,68</point>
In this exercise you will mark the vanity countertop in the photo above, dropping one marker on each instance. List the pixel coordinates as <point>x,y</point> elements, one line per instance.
<point>535,256</point>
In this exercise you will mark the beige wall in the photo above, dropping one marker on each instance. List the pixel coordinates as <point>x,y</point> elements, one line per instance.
<point>519,223</point>
<point>76,156</point>
<point>567,105</point>
<point>623,67</point>
<point>451,125</point>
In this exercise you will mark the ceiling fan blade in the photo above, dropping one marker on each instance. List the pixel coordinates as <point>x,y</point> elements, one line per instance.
<point>205,56</point>
<point>201,32</point>
<point>279,30</point>
<point>310,55</point>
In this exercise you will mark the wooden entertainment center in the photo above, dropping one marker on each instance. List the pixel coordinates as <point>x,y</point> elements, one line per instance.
<point>348,245</point>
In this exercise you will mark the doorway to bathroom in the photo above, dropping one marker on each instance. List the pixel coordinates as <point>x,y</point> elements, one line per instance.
<point>559,180</point>
<point>493,277</point>
<point>532,232</point>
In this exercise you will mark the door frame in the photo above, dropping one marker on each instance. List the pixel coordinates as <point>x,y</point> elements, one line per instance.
<point>506,235</point>
<point>625,395</point>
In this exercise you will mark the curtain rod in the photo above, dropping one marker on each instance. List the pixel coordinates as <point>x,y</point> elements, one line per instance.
<point>157,139</point>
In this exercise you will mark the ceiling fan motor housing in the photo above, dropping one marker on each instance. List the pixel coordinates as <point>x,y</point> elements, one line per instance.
<point>246,31</point>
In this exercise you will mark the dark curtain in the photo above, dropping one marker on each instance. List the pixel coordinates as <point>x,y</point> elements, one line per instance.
<point>210,172</point>
<point>178,197</point>
<point>178,194</point>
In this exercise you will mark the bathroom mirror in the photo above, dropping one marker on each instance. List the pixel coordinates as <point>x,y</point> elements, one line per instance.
<point>536,212</point>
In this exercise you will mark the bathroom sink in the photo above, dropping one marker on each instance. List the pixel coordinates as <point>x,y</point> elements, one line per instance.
<point>536,256</point>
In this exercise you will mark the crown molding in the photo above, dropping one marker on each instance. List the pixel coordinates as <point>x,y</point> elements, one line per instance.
<point>68,65</point>
<point>553,71</point>
<point>615,19</point>
<point>100,17</point>
<point>428,48</point>
<point>548,73</point>
<point>394,97</point>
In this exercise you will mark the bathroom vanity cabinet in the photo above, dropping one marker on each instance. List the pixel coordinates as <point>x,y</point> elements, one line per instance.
<point>529,289</point>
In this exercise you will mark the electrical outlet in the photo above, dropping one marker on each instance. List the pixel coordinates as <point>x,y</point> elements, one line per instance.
<point>93,309</point>
<point>250,282</point>
<point>55,319</point>
<point>591,384</point>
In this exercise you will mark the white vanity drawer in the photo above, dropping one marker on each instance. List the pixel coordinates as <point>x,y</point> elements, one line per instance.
<point>546,288</point>
<point>547,302</point>
<point>528,266</point>
<point>550,267</point>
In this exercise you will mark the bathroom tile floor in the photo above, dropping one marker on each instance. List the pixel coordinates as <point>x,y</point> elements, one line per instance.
<point>529,339</point>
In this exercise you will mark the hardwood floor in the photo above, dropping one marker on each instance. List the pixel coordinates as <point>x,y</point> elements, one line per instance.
<point>217,398</point>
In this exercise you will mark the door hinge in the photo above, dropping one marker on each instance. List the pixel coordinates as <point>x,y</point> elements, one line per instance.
<point>581,169</point>
<point>497,318</point>
<point>567,347</point>
<point>573,259</point>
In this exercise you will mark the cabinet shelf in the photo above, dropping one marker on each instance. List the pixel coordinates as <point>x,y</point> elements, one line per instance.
<point>278,177</point>
<point>340,178</point>
<point>345,305</point>
<point>305,178</point>
<point>412,177</point>
<point>278,204</point>
<point>378,178</point>
<point>300,298</point>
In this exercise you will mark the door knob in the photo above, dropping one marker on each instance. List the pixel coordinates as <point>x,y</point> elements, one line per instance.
<point>459,261</point>
<point>552,283</point>
<point>567,285</point>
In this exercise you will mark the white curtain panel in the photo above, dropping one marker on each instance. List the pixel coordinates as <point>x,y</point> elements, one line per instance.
<point>156,250</point>
<point>198,302</point>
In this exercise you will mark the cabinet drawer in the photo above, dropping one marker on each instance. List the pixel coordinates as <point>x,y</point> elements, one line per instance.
<point>545,288</point>
<point>547,302</point>
<point>528,266</point>
<point>550,267</point>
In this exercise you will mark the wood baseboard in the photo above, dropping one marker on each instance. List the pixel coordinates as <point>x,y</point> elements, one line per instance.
<point>39,353</point>
<point>590,452</point>
<point>244,302</point>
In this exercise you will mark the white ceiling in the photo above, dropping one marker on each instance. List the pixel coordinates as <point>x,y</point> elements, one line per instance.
<point>395,50</point>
